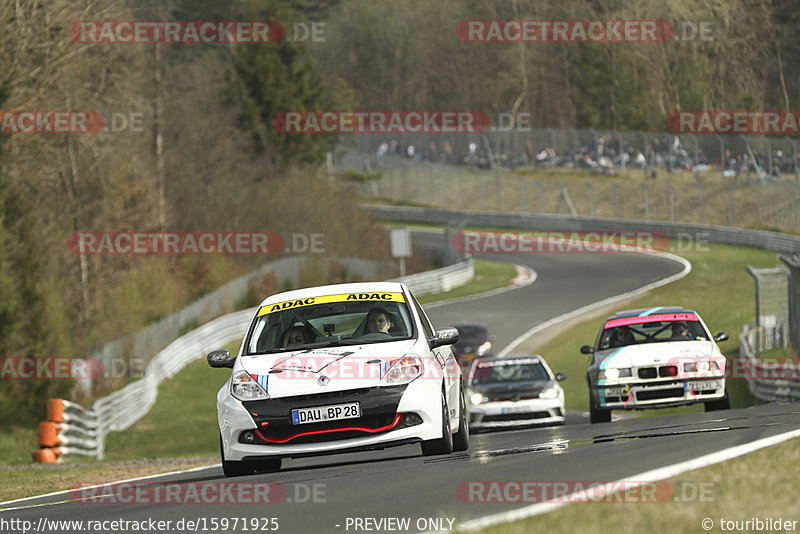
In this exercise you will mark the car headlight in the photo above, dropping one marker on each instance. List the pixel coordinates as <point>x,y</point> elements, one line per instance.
<point>486,347</point>
<point>477,398</point>
<point>701,366</point>
<point>549,393</point>
<point>403,370</point>
<point>244,388</point>
<point>612,373</point>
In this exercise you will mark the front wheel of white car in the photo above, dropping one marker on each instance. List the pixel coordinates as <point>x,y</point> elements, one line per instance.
<point>598,415</point>
<point>443,445</point>
<point>720,404</point>
<point>232,468</point>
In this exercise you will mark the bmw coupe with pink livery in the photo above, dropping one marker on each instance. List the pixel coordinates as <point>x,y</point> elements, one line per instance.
<point>655,358</point>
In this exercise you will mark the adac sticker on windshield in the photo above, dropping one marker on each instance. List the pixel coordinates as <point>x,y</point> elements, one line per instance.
<point>326,299</point>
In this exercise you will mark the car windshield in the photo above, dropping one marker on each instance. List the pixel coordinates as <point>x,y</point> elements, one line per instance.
<point>508,371</point>
<point>649,331</point>
<point>330,320</point>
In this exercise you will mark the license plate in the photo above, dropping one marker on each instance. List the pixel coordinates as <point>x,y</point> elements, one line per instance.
<point>318,414</point>
<point>704,385</point>
<point>514,409</point>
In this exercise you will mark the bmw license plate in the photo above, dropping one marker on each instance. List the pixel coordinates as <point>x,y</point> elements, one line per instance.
<point>704,385</point>
<point>318,414</point>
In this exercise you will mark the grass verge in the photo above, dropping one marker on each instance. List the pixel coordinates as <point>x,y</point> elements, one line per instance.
<point>724,491</point>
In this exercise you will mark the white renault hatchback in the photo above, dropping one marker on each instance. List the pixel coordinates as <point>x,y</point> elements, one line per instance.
<point>339,368</point>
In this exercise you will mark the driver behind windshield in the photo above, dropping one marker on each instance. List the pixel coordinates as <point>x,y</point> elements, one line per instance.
<point>378,322</point>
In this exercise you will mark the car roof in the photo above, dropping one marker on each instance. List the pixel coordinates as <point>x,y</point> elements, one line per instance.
<point>649,311</point>
<point>336,289</point>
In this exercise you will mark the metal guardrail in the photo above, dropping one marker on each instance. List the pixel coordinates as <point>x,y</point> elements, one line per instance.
<point>440,280</point>
<point>699,233</point>
<point>71,429</point>
<point>768,381</point>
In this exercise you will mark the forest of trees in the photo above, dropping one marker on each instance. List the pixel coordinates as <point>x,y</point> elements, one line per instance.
<point>207,158</point>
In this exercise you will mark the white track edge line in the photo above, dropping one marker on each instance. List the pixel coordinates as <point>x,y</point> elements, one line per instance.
<point>63,492</point>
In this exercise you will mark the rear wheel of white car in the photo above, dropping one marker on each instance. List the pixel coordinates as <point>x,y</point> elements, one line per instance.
<point>231,468</point>
<point>599,415</point>
<point>461,438</point>
<point>719,404</point>
<point>444,445</point>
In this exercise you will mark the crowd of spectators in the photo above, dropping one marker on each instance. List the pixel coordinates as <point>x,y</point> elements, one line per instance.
<point>605,154</point>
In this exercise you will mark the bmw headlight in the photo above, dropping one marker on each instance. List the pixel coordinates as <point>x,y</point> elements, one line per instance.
<point>483,349</point>
<point>403,370</point>
<point>549,393</point>
<point>477,398</point>
<point>244,388</point>
<point>612,373</point>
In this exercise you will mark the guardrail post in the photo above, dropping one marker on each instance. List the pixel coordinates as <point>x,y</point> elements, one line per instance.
<point>760,210</point>
<point>671,203</point>
<point>702,204</point>
<point>730,205</point>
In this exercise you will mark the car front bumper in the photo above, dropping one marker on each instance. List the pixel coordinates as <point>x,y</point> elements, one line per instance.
<point>384,422</point>
<point>516,413</point>
<point>634,395</point>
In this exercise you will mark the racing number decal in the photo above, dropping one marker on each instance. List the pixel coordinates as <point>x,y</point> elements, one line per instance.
<point>347,297</point>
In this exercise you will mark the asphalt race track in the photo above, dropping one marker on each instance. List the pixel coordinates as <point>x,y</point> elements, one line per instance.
<point>338,493</point>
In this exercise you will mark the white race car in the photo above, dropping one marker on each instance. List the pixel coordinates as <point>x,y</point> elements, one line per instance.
<point>654,358</point>
<point>339,368</point>
<point>514,391</point>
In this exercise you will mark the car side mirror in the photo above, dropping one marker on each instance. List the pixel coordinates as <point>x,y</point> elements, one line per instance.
<point>720,336</point>
<point>560,377</point>
<point>587,349</point>
<point>493,338</point>
<point>444,336</point>
<point>220,358</point>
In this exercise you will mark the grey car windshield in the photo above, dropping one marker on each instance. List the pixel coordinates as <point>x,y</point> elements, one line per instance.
<point>499,371</point>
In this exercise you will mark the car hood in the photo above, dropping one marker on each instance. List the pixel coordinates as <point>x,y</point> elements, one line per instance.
<point>511,390</point>
<point>325,370</point>
<point>655,353</point>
